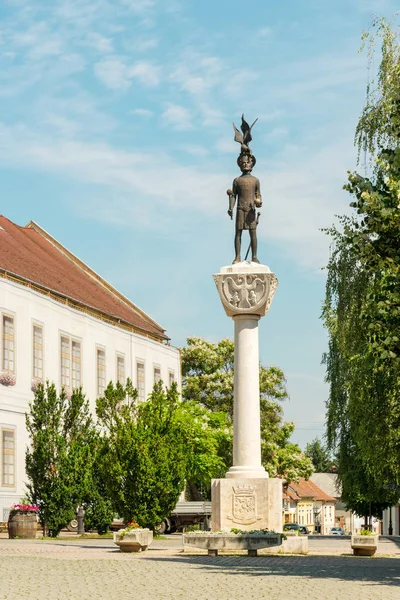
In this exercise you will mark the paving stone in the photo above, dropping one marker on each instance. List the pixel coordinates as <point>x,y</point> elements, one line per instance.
<point>87,570</point>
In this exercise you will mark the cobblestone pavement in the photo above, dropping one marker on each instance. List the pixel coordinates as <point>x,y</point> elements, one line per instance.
<point>40,570</point>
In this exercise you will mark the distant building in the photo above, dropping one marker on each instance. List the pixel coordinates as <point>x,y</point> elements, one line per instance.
<point>349,521</point>
<point>60,321</point>
<point>328,482</point>
<point>307,504</point>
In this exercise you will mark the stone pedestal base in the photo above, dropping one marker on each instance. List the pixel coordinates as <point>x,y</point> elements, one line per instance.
<point>246,504</point>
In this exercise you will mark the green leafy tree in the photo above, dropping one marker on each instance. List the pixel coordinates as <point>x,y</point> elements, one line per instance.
<point>58,459</point>
<point>99,509</point>
<point>145,451</point>
<point>362,305</point>
<point>362,492</point>
<point>320,456</point>
<point>207,370</point>
<point>209,439</point>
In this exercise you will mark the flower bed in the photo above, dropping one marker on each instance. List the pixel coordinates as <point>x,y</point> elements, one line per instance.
<point>235,539</point>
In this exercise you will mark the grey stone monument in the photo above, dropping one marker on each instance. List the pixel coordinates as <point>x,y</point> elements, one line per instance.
<point>246,498</point>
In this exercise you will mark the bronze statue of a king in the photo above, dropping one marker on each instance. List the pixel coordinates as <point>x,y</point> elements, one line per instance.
<point>246,192</point>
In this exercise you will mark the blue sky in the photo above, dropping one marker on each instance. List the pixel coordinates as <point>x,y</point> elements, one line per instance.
<point>116,137</point>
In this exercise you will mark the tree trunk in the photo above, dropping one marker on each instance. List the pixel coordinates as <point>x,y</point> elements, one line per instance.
<point>195,494</point>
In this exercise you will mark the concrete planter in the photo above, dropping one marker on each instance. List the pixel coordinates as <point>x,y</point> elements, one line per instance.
<point>364,545</point>
<point>136,540</point>
<point>215,542</point>
<point>294,544</point>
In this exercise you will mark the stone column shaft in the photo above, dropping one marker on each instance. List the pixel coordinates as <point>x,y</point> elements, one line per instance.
<point>246,410</point>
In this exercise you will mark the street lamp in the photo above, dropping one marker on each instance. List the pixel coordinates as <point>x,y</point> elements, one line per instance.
<point>391,486</point>
<point>390,530</point>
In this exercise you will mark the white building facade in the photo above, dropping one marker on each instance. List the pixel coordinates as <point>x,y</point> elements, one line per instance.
<point>45,335</point>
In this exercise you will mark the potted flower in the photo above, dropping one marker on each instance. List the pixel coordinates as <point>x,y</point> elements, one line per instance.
<point>7,379</point>
<point>22,521</point>
<point>365,543</point>
<point>133,538</point>
<point>35,384</point>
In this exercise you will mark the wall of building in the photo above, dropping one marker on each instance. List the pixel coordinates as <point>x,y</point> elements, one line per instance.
<point>27,308</point>
<point>323,521</point>
<point>327,517</point>
<point>305,515</point>
<point>289,511</point>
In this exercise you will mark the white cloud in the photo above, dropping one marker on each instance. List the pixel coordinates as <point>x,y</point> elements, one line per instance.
<point>146,73</point>
<point>265,32</point>
<point>102,44</point>
<point>277,133</point>
<point>197,74</point>
<point>297,201</point>
<point>227,145</point>
<point>146,44</point>
<point>301,195</point>
<point>177,117</point>
<point>113,73</point>
<point>139,6</point>
<point>195,150</point>
<point>142,112</point>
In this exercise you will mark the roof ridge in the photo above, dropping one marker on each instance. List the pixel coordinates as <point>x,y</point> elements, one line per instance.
<point>312,487</point>
<point>31,254</point>
<point>32,225</point>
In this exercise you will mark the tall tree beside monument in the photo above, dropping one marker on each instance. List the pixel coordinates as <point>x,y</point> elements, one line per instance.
<point>362,304</point>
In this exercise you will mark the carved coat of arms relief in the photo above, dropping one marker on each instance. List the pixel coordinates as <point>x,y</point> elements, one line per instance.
<point>244,505</point>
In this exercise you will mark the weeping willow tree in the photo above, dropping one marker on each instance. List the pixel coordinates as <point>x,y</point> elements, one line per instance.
<point>362,304</point>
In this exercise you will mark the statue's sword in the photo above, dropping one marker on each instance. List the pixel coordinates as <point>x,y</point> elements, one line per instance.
<point>248,249</point>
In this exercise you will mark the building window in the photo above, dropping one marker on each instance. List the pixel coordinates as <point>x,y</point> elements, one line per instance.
<point>71,371</point>
<point>65,361</point>
<point>121,369</point>
<point>140,381</point>
<point>76,364</point>
<point>171,378</point>
<point>8,344</point>
<point>8,457</point>
<point>101,371</point>
<point>157,374</point>
<point>37,370</point>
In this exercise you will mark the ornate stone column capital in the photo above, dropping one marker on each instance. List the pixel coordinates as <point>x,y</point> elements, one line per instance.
<point>246,288</point>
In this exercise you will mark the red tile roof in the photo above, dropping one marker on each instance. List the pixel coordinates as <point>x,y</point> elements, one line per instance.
<point>308,489</point>
<point>290,494</point>
<point>34,256</point>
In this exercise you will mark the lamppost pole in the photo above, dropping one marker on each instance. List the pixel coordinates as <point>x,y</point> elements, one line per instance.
<point>390,530</point>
